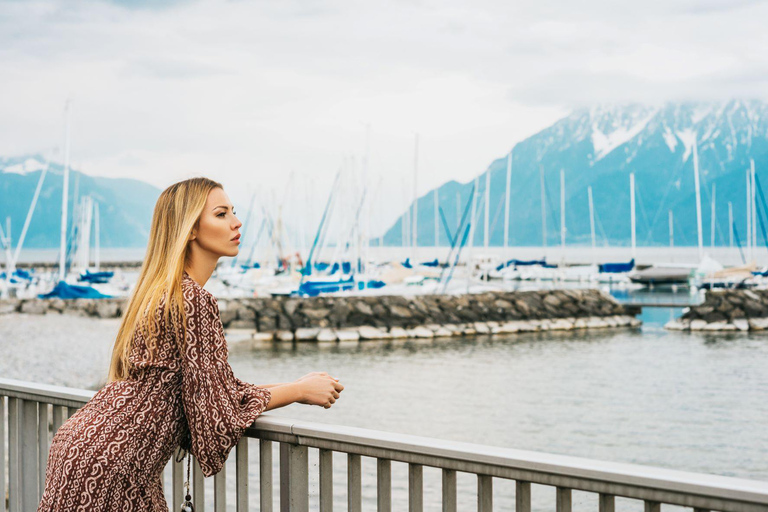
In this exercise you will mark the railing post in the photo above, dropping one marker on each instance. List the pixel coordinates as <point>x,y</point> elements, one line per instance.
<point>384,485</point>
<point>563,499</point>
<point>522,496</point>
<point>2,452</point>
<point>29,456</point>
<point>354,483</point>
<point>326,480</point>
<point>607,503</point>
<point>265,475</point>
<point>220,489</point>
<point>484,493</point>
<point>449,490</point>
<point>177,481</point>
<point>241,475</point>
<point>198,486</point>
<point>415,487</point>
<point>42,447</point>
<point>14,457</point>
<point>294,478</point>
<point>652,506</point>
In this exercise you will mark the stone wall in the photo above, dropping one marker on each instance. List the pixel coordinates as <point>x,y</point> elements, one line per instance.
<point>726,310</point>
<point>369,317</point>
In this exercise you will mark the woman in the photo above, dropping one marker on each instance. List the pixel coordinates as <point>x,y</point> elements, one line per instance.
<point>170,384</point>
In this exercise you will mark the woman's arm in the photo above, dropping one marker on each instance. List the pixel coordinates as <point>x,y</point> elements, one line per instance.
<point>312,389</point>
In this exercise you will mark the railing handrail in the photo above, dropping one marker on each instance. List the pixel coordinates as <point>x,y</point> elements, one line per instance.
<point>536,467</point>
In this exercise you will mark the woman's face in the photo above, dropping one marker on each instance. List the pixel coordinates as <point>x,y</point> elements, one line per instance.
<point>218,230</point>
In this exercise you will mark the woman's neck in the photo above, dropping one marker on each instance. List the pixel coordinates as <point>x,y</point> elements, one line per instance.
<point>201,271</point>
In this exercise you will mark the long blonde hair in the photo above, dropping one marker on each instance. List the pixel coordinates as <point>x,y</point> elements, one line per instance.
<point>177,212</point>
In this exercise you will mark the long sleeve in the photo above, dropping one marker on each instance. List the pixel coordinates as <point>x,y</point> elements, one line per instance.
<point>218,406</point>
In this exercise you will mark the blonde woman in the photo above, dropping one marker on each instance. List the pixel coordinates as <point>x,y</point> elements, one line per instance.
<point>170,386</point>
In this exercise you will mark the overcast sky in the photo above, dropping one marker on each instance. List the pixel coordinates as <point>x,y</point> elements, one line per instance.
<point>248,92</point>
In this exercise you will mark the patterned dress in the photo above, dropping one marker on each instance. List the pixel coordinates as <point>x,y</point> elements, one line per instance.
<point>109,455</point>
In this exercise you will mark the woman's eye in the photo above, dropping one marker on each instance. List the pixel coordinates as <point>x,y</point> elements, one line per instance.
<point>222,213</point>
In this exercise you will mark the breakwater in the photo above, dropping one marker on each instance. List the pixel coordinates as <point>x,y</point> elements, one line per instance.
<point>388,316</point>
<point>726,310</point>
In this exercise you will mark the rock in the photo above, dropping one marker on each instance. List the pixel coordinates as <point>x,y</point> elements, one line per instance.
<point>363,308</point>
<point>368,332</point>
<point>698,324</point>
<point>228,315</point>
<point>580,323</point>
<point>636,322</point>
<point>315,314</point>
<point>284,335</point>
<point>8,306</point>
<point>758,324</point>
<point>400,311</point>
<point>741,324</point>
<point>263,336</point>
<point>306,333</point>
<point>241,324</point>
<point>720,326</point>
<point>421,332</point>
<point>34,307</point>
<point>267,323</point>
<point>442,332</point>
<point>596,323</point>
<point>56,304</point>
<point>347,335</point>
<point>561,324</point>
<point>326,335</point>
<point>675,325</point>
<point>398,332</point>
<point>290,305</point>
<point>482,328</point>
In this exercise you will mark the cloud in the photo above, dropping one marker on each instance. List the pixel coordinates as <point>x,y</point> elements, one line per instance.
<point>250,91</point>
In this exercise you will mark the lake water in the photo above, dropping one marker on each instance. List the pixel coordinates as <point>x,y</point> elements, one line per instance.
<point>689,401</point>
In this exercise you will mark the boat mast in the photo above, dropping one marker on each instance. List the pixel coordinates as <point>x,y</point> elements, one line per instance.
<point>506,203</point>
<point>97,255</point>
<point>437,215</point>
<point>415,218</point>
<point>752,189</point>
<point>592,224</point>
<point>632,219</point>
<point>487,207</point>
<point>730,224</point>
<point>749,217</point>
<point>712,227</point>
<point>543,208</point>
<point>562,212</point>
<point>698,197</point>
<point>65,193</point>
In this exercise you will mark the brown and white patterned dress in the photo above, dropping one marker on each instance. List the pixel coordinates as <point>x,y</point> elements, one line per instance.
<point>109,455</point>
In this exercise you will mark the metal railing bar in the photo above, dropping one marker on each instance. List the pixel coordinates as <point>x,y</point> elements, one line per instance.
<point>43,446</point>
<point>449,490</point>
<point>265,475</point>
<point>607,503</point>
<point>415,487</point>
<point>241,475</point>
<point>564,500</point>
<point>383,485</point>
<point>522,496</point>
<point>326,480</point>
<point>354,483</point>
<point>220,489</point>
<point>484,493</point>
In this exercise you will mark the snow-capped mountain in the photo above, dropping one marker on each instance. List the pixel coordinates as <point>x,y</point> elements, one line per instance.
<point>600,147</point>
<point>125,205</point>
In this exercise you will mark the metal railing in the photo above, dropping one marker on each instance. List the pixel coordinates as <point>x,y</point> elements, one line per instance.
<point>35,411</point>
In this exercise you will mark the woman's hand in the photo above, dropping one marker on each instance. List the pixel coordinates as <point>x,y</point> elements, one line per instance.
<point>313,374</point>
<point>319,388</point>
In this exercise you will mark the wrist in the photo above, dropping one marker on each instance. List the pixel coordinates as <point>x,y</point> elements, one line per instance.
<point>298,391</point>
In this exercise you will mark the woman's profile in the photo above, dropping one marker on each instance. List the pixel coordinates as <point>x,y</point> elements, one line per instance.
<point>170,386</point>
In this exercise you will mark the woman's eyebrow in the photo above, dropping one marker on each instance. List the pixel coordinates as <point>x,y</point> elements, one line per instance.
<point>225,207</point>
